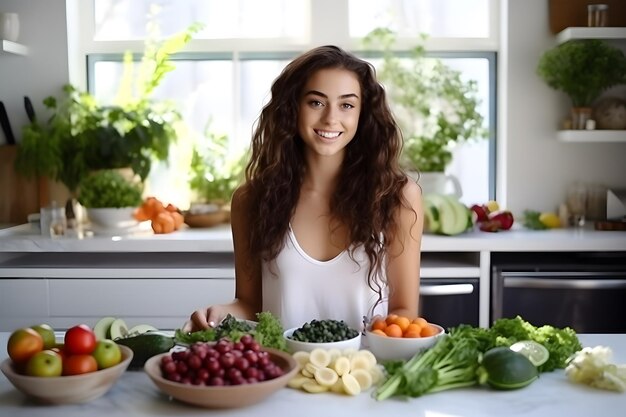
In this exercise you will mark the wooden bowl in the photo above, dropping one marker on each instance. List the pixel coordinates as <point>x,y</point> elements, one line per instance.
<point>232,396</point>
<point>206,219</point>
<point>68,389</point>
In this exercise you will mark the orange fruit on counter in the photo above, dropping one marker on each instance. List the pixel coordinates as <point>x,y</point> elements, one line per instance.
<point>391,318</point>
<point>429,331</point>
<point>402,322</point>
<point>24,343</point>
<point>421,321</point>
<point>379,324</point>
<point>413,328</point>
<point>393,330</point>
<point>379,332</point>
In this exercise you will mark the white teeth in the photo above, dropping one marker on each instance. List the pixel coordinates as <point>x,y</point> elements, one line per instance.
<point>328,135</point>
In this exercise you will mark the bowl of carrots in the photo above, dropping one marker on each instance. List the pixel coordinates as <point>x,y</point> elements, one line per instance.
<point>398,337</point>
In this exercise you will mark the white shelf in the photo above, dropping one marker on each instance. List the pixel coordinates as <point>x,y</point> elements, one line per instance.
<point>592,136</point>
<point>615,33</point>
<point>13,48</point>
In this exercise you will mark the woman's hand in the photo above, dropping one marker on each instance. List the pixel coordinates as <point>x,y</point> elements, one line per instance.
<point>205,317</point>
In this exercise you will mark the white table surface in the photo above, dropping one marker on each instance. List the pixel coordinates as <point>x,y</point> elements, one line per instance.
<point>551,396</point>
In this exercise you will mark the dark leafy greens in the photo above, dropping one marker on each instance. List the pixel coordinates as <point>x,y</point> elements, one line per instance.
<point>454,361</point>
<point>268,331</point>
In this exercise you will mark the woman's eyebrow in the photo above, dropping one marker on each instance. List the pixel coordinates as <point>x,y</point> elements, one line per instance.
<point>343,96</point>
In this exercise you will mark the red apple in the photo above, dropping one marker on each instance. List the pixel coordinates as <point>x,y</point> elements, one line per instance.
<point>481,213</point>
<point>505,218</point>
<point>80,340</point>
<point>490,226</point>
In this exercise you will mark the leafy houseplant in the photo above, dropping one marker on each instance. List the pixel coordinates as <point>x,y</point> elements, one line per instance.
<point>435,108</point>
<point>215,173</point>
<point>83,135</point>
<point>108,189</point>
<point>583,69</point>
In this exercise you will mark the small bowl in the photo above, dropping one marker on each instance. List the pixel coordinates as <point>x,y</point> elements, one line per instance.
<point>68,389</point>
<point>116,218</point>
<point>206,219</point>
<point>393,348</point>
<point>297,346</point>
<point>232,396</point>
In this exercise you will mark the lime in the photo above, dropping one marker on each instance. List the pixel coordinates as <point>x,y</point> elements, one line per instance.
<point>535,352</point>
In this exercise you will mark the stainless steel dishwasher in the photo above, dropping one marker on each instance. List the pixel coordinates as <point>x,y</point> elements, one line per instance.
<point>585,291</point>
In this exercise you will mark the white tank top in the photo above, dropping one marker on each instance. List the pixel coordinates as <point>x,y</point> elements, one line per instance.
<point>298,288</point>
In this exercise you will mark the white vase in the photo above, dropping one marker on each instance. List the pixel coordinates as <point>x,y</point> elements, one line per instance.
<point>9,26</point>
<point>437,182</point>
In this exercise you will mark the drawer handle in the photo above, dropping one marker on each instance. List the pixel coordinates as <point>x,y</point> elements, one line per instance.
<point>583,284</point>
<point>449,289</point>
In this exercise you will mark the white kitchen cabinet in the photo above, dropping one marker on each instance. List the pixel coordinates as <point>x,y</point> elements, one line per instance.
<point>13,48</point>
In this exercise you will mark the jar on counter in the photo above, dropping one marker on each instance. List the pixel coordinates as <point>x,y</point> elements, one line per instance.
<point>597,15</point>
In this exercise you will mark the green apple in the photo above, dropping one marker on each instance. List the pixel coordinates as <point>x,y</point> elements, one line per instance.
<point>107,353</point>
<point>46,363</point>
<point>47,333</point>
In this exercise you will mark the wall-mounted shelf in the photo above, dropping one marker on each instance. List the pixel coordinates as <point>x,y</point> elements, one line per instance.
<point>615,33</point>
<point>13,48</point>
<point>592,136</point>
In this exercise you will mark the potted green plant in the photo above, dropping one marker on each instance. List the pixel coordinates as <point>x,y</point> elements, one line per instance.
<point>434,107</point>
<point>215,173</point>
<point>84,135</point>
<point>110,198</point>
<point>583,69</point>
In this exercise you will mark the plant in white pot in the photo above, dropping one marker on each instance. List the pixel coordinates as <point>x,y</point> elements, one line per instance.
<point>435,108</point>
<point>110,198</point>
<point>583,69</point>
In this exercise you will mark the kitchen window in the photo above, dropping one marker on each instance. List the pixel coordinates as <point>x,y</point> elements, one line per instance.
<point>223,78</point>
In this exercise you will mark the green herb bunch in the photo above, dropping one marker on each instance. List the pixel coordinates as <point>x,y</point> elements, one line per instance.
<point>109,189</point>
<point>583,69</point>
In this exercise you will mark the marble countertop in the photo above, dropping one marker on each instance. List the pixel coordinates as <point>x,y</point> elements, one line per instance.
<point>550,396</point>
<point>218,239</point>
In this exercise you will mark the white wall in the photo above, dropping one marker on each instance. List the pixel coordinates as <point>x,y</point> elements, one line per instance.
<point>534,169</point>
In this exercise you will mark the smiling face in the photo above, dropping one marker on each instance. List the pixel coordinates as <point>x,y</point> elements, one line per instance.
<point>328,111</point>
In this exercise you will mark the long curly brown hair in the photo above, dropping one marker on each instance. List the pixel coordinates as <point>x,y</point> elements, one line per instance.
<point>370,185</point>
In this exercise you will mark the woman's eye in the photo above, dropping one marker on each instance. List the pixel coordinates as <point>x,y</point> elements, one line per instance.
<point>315,103</point>
<point>347,106</point>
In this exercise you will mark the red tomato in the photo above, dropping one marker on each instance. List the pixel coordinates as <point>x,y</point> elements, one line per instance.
<point>79,364</point>
<point>80,340</point>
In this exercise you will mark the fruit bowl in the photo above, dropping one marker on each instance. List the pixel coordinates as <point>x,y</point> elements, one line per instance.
<point>116,218</point>
<point>297,346</point>
<point>394,348</point>
<point>231,396</point>
<point>68,389</point>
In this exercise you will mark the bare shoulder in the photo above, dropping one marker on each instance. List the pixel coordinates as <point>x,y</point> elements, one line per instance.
<point>412,194</point>
<point>240,202</point>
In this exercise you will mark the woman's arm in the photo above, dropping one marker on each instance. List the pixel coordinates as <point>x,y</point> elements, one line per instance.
<point>248,291</point>
<point>403,269</point>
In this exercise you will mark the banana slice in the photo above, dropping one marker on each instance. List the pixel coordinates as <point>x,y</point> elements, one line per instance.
<point>301,357</point>
<point>341,365</point>
<point>377,374</point>
<point>363,377</point>
<point>297,381</point>
<point>359,361</point>
<point>350,384</point>
<point>326,377</point>
<point>313,387</point>
<point>369,355</point>
<point>337,387</point>
<point>320,358</point>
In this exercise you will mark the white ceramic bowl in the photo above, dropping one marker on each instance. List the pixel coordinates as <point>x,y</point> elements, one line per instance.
<point>296,346</point>
<point>388,348</point>
<point>233,396</point>
<point>68,389</point>
<point>116,218</point>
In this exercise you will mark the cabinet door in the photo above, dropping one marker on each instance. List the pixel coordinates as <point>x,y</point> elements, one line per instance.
<point>23,302</point>
<point>163,303</point>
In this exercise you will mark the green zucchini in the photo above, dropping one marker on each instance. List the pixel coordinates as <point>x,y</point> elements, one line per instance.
<point>505,369</point>
<point>145,346</point>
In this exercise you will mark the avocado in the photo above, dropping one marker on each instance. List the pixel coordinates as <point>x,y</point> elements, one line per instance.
<point>141,328</point>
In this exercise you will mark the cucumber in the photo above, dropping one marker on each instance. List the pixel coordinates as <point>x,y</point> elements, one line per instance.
<point>505,369</point>
<point>145,346</point>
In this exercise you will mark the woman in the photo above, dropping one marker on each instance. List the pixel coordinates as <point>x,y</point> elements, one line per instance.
<point>326,225</point>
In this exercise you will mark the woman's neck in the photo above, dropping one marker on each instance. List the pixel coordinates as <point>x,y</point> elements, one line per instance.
<point>322,173</point>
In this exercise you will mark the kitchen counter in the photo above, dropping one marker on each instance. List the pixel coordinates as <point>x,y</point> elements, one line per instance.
<point>23,239</point>
<point>550,396</point>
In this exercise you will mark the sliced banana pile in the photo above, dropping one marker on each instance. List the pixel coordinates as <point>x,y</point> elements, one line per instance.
<point>343,372</point>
